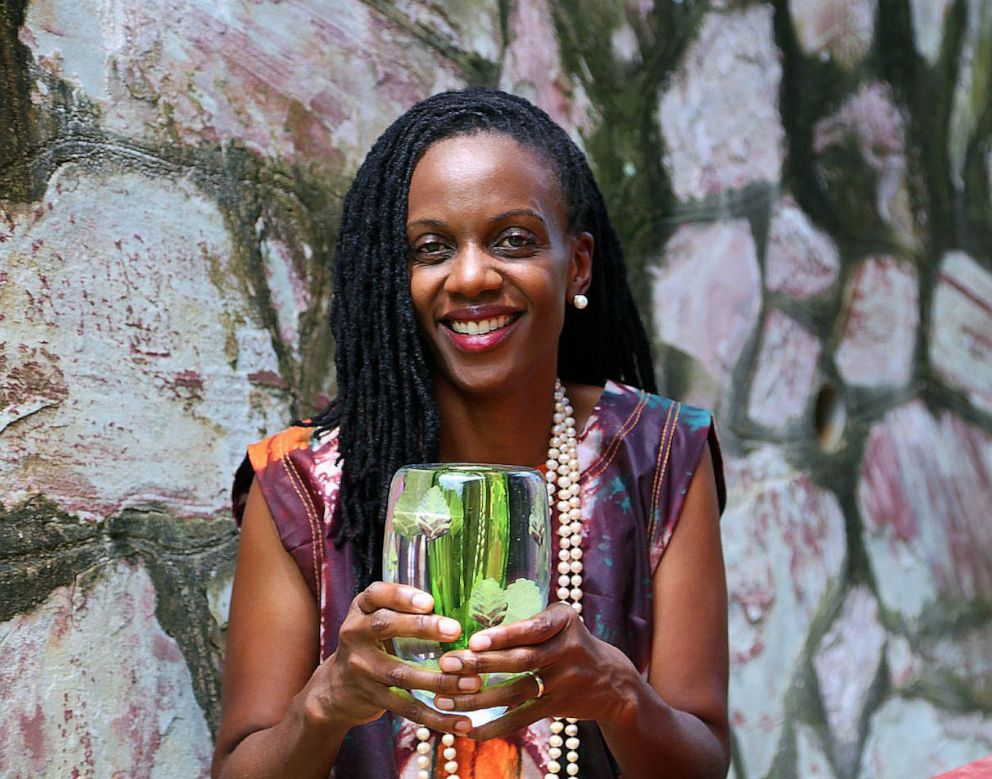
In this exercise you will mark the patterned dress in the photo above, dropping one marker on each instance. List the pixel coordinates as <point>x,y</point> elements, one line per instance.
<point>637,453</point>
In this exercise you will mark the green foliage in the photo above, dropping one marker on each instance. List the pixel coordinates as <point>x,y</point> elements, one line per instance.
<point>488,603</point>
<point>523,600</point>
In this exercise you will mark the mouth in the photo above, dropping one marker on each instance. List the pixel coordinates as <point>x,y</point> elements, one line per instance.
<point>471,332</point>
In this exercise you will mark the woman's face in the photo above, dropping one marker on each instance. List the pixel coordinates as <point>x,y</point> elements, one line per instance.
<point>492,263</point>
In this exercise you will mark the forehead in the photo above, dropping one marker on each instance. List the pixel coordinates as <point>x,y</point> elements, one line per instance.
<point>468,169</point>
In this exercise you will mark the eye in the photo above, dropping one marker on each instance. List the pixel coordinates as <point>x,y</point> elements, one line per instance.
<point>429,249</point>
<point>516,242</point>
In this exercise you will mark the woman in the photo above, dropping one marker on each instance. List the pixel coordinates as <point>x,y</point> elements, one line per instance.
<point>475,264</point>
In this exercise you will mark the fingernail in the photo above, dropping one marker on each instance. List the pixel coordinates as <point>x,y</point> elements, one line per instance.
<point>451,664</point>
<point>480,642</point>
<point>463,726</point>
<point>444,703</point>
<point>468,683</point>
<point>422,600</point>
<point>449,626</point>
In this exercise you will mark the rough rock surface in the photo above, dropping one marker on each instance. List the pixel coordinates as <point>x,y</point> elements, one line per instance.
<point>841,29</point>
<point>85,647</point>
<point>784,545</point>
<point>126,330</point>
<point>924,496</point>
<point>939,740</point>
<point>801,260</point>
<point>846,664</point>
<point>714,140</point>
<point>786,366</point>
<point>961,328</point>
<point>878,334</point>
<point>707,298</point>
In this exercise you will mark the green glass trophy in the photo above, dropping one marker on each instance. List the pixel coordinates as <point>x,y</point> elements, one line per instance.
<point>478,539</point>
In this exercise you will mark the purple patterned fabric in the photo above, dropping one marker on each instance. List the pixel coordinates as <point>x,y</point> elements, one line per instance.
<point>637,453</point>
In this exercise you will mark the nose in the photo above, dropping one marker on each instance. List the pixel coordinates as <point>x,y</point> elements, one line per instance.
<point>472,273</point>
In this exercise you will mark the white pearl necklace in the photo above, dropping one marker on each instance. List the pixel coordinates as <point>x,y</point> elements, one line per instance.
<point>563,483</point>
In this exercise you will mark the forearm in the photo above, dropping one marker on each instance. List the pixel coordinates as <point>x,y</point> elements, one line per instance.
<point>646,734</point>
<point>300,745</point>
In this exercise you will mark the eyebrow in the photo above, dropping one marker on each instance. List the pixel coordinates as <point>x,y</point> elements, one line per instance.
<point>498,218</point>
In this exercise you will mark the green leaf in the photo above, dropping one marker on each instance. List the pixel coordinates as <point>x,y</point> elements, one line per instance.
<point>433,514</point>
<point>538,523</point>
<point>416,484</point>
<point>487,605</point>
<point>523,600</point>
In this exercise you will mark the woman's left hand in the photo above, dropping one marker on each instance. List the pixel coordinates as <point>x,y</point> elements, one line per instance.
<point>583,677</point>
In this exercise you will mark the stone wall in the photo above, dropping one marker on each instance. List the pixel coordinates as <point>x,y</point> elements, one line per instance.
<point>803,188</point>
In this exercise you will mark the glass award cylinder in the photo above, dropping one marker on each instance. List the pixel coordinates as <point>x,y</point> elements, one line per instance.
<point>478,539</point>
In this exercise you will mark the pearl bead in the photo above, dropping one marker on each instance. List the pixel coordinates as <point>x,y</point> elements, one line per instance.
<point>553,766</point>
<point>447,739</point>
<point>557,727</point>
<point>563,593</point>
<point>423,734</point>
<point>577,606</point>
<point>564,580</point>
<point>575,502</point>
<point>572,743</point>
<point>564,482</point>
<point>423,761</point>
<point>576,553</point>
<point>576,580</point>
<point>423,775</point>
<point>564,542</point>
<point>450,753</point>
<point>563,554</point>
<point>574,514</point>
<point>575,541</point>
<point>556,741</point>
<point>564,567</point>
<point>564,530</point>
<point>571,729</point>
<point>451,766</point>
<point>576,594</point>
<point>551,776</point>
<point>424,747</point>
<point>575,528</point>
<point>575,566</point>
<point>554,753</point>
<point>572,769</point>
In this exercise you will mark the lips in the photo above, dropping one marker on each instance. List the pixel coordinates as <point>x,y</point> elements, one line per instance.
<point>476,330</point>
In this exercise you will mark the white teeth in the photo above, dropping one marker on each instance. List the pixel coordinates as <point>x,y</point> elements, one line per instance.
<point>480,327</point>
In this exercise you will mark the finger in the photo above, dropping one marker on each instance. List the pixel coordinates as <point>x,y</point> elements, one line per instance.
<point>386,623</point>
<point>398,597</point>
<point>527,632</point>
<point>396,673</point>
<point>517,660</point>
<point>519,717</point>
<point>512,693</point>
<point>400,702</point>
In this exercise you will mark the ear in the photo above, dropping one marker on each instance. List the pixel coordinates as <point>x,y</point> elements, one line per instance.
<point>580,267</point>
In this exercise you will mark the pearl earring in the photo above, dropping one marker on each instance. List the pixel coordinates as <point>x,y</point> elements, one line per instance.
<point>580,301</point>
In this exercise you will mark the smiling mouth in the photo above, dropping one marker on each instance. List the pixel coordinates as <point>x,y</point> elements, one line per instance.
<point>480,326</point>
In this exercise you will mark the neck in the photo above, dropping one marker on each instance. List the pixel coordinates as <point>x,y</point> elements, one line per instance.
<point>510,428</point>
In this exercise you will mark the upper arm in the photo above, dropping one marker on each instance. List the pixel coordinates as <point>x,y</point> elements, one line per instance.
<point>273,633</point>
<point>689,654</point>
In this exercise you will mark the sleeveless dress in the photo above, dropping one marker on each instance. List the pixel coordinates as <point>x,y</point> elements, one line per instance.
<point>637,453</point>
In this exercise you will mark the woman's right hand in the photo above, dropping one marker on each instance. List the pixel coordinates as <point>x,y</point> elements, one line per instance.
<point>361,680</point>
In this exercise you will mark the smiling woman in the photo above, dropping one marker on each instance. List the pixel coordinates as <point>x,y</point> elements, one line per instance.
<point>471,242</point>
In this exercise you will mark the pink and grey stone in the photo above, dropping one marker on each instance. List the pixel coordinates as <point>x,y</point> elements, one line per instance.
<point>961,328</point>
<point>911,737</point>
<point>784,544</point>
<point>840,29</point>
<point>846,663</point>
<point>879,324</point>
<point>785,372</point>
<point>871,118</point>
<point>288,80</point>
<point>715,141</point>
<point>800,260</point>
<point>924,496</point>
<point>929,18</point>
<point>92,686</point>
<point>707,299</point>
<point>126,328</point>
<point>532,68</point>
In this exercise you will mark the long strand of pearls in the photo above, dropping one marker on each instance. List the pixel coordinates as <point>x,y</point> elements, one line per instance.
<point>564,495</point>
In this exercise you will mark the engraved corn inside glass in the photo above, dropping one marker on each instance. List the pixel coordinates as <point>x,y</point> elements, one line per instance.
<point>477,538</point>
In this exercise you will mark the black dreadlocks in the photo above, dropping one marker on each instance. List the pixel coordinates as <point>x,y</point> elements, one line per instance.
<point>385,411</point>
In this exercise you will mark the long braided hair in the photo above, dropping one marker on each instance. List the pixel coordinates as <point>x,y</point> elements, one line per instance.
<point>385,411</point>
